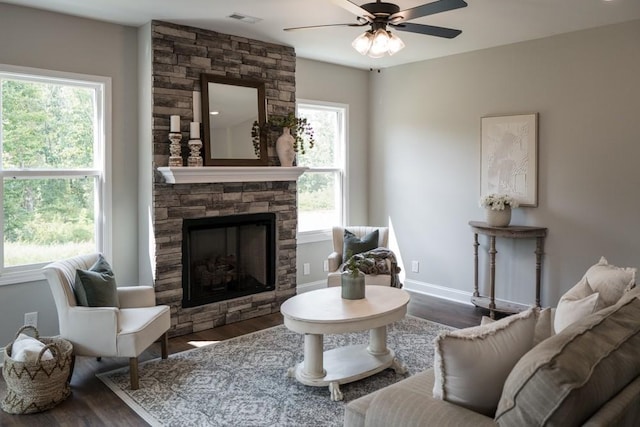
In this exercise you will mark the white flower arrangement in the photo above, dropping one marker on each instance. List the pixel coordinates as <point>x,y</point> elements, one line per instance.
<point>497,202</point>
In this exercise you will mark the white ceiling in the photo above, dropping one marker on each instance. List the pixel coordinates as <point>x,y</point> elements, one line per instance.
<point>484,23</point>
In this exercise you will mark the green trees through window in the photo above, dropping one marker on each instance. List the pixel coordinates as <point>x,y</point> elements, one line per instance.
<point>320,188</point>
<point>49,168</point>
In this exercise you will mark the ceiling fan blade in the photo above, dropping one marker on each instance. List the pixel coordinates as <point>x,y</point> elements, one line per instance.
<point>354,8</point>
<point>427,9</point>
<point>311,27</point>
<point>430,30</point>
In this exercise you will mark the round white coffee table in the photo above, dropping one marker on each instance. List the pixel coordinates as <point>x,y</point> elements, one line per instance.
<point>324,311</point>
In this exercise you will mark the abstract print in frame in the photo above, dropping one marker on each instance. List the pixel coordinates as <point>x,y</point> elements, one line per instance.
<point>509,157</point>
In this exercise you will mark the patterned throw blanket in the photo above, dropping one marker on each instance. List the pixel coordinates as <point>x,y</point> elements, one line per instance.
<point>375,262</point>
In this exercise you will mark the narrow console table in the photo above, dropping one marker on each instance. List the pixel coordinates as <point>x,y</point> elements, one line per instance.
<point>509,232</point>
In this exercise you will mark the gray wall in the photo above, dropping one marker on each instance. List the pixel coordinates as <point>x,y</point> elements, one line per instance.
<point>347,86</point>
<point>34,38</point>
<point>146,238</point>
<point>425,153</point>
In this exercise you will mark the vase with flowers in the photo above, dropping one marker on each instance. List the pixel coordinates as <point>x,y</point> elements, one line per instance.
<point>498,209</point>
<point>297,136</point>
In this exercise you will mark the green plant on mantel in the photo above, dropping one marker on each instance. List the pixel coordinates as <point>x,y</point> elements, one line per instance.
<point>299,127</point>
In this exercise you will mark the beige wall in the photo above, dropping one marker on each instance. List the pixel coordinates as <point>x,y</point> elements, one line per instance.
<point>33,38</point>
<point>425,151</point>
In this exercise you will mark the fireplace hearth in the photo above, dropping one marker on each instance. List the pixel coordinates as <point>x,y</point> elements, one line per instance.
<point>227,257</point>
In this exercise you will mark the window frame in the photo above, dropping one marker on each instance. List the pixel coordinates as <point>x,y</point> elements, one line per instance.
<point>101,168</point>
<point>326,234</point>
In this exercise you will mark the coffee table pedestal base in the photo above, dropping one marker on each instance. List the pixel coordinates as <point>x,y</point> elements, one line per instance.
<point>342,365</point>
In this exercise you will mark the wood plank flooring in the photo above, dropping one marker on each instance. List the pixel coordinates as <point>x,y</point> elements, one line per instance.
<point>93,404</point>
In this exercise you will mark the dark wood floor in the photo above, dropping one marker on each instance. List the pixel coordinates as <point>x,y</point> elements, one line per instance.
<point>93,404</point>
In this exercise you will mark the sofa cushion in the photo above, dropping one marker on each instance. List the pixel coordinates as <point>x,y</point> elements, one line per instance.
<point>544,324</point>
<point>471,365</point>
<point>579,302</point>
<point>566,378</point>
<point>96,287</point>
<point>355,245</point>
<point>409,403</point>
<point>610,281</point>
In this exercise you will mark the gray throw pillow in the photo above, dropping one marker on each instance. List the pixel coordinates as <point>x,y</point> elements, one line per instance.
<point>354,245</point>
<point>96,287</point>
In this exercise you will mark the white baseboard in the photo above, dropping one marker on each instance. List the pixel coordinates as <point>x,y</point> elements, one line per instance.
<point>409,285</point>
<point>311,286</point>
<point>443,292</point>
<point>451,294</point>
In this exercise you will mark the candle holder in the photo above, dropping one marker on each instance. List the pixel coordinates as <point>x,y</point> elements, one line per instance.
<point>175,158</point>
<point>195,160</point>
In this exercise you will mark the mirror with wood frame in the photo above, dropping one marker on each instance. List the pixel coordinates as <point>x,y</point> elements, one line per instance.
<point>229,108</point>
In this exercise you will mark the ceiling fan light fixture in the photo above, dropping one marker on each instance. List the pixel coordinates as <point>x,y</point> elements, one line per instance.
<point>376,54</point>
<point>378,43</point>
<point>395,44</point>
<point>362,43</point>
<point>380,40</point>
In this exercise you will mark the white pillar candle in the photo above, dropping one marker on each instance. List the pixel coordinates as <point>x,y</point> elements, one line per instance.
<point>175,123</point>
<point>197,107</point>
<point>195,130</point>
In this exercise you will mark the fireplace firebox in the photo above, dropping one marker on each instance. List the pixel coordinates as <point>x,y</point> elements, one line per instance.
<point>227,257</point>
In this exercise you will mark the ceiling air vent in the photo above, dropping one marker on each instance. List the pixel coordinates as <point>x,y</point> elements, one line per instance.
<point>244,18</point>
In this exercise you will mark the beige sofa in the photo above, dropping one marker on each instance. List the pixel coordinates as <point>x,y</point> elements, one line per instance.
<point>587,374</point>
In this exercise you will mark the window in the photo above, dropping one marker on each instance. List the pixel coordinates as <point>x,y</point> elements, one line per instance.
<point>321,188</point>
<point>54,184</point>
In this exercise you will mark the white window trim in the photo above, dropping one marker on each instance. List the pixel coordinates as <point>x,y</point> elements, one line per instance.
<point>104,225</point>
<point>324,235</point>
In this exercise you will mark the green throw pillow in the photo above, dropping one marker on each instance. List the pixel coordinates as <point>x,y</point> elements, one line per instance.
<point>354,245</point>
<point>96,287</point>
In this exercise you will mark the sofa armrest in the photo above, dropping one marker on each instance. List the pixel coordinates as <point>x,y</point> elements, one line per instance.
<point>335,259</point>
<point>136,296</point>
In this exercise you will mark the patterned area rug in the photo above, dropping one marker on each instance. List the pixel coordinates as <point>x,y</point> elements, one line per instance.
<point>242,381</point>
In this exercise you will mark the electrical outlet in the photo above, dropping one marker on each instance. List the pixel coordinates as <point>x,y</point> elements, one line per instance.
<point>415,267</point>
<point>325,266</point>
<point>306,269</point>
<point>31,319</point>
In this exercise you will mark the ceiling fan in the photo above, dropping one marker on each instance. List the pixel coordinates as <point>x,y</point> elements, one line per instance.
<point>378,41</point>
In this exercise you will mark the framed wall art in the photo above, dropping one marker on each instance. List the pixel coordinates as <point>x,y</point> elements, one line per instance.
<point>509,157</point>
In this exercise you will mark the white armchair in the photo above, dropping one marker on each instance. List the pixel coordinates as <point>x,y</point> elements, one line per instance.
<point>124,331</point>
<point>336,259</point>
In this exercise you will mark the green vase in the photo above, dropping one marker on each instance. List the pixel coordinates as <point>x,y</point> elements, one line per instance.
<point>352,286</point>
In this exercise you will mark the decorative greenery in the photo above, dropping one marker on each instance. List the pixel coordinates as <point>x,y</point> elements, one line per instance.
<point>352,265</point>
<point>498,202</point>
<point>299,127</point>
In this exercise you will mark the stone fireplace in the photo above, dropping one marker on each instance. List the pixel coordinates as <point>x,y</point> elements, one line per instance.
<point>180,54</point>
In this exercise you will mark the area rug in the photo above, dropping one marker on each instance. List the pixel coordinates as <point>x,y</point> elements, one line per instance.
<point>243,382</point>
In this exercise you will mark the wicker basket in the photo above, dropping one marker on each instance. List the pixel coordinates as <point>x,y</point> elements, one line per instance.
<point>40,385</point>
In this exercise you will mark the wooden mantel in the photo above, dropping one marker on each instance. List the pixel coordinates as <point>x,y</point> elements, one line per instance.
<point>211,174</point>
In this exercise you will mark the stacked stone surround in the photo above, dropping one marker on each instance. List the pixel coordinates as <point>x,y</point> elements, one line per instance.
<point>180,55</point>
